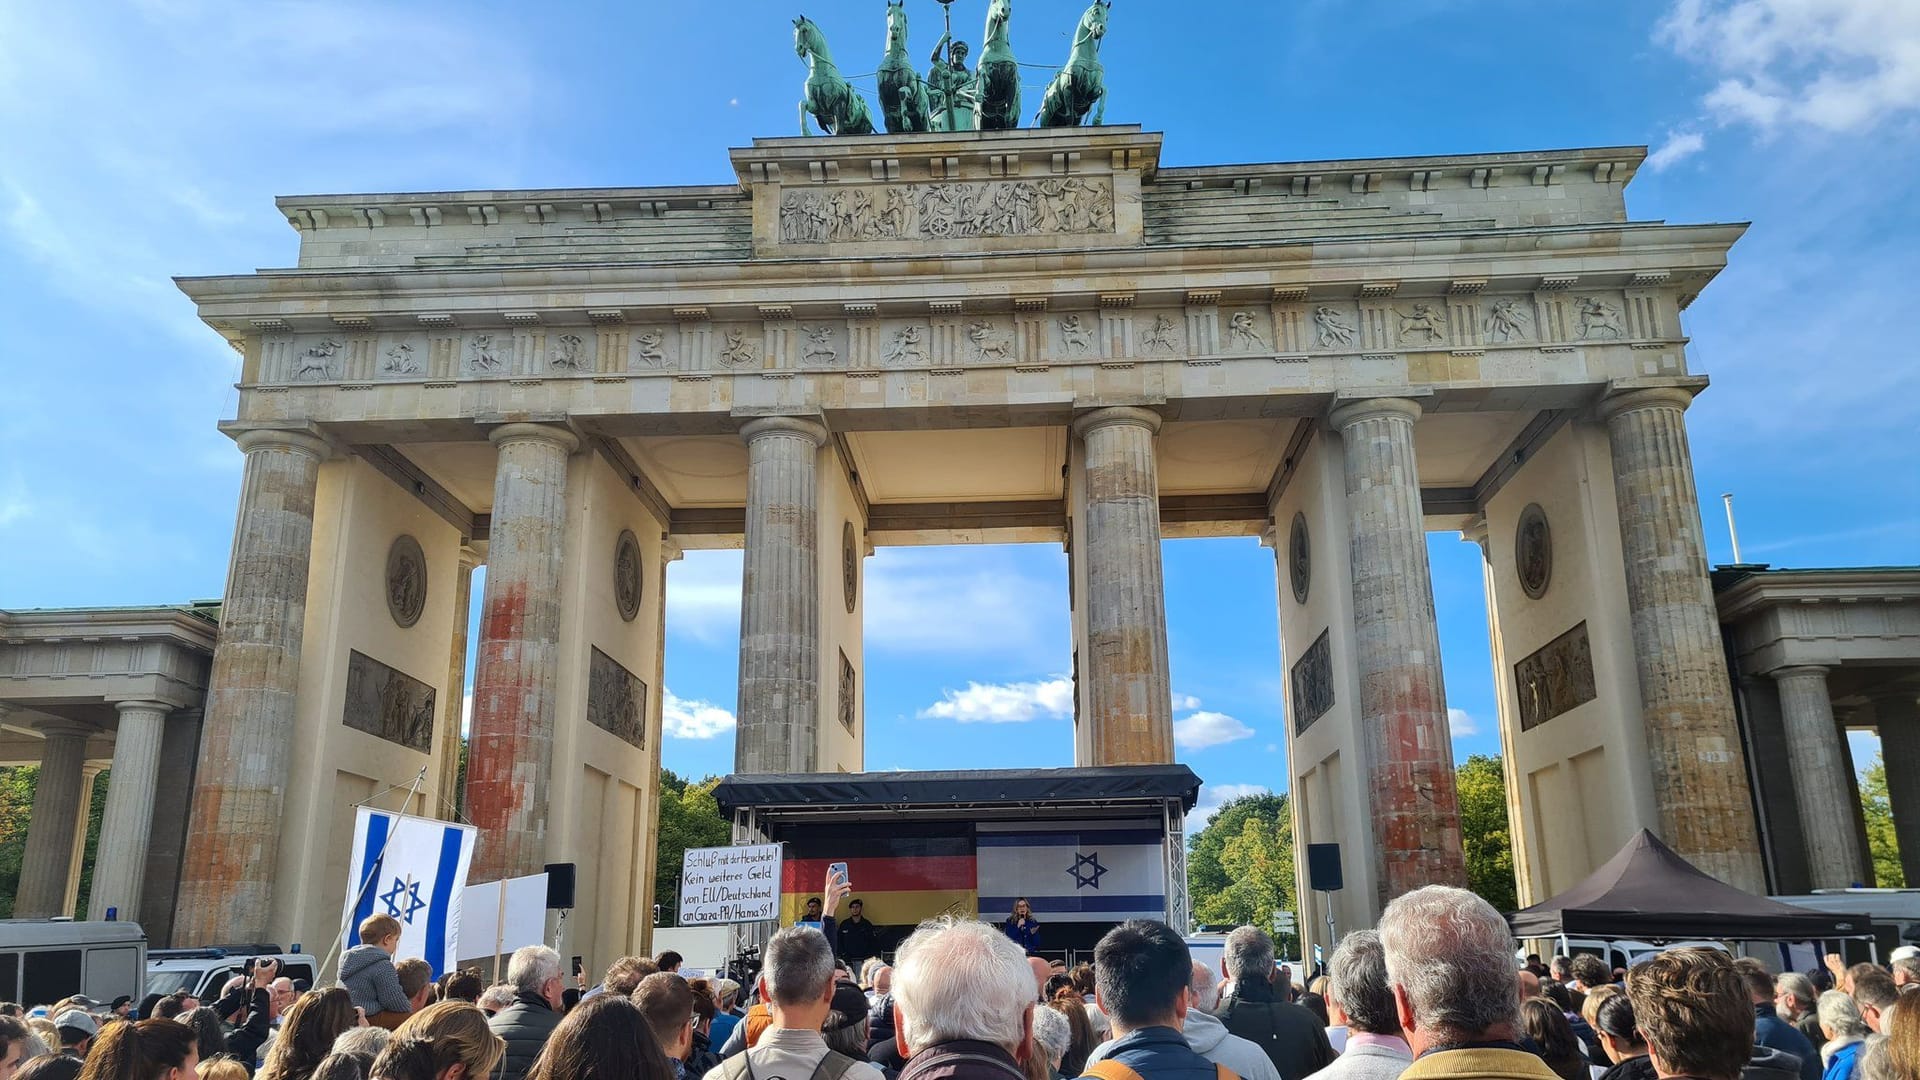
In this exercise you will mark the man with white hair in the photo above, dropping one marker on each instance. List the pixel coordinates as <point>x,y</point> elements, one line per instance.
<point>1208,1037</point>
<point>963,1001</point>
<point>796,982</point>
<point>1449,960</point>
<point>1293,1038</point>
<point>538,981</point>
<point>1359,998</point>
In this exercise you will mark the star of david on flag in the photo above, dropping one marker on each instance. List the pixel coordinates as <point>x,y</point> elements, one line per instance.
<point>1073,871</point>
<point>414,869</point>
<point>1086,871</point>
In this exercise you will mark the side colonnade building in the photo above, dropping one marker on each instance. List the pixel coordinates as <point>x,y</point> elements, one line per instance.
<point>1023,336</point>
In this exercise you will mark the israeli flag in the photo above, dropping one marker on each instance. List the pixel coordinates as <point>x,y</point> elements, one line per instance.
<point>1072,871</point>
<point>414,869</point>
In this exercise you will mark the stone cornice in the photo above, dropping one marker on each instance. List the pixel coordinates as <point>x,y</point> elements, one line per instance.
<point>56,625</point>
<point>1609,256</point>
<point>1789,588</point>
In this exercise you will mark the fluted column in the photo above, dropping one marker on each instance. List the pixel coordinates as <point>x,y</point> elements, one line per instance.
<point>246,745</point>
<point>82,816</point>
<point>1405,745</point>
<point>46,865</point>
<point>510,756</point>
<point>455,704</point>
<point>1898,718</point>
<point>1699,770</point>
<point>1822,786</point>
<point>1127,692</point>
<point>779,705</point>
<point>120,864</point>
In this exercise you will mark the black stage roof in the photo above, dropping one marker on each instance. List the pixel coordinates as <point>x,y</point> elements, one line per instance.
<point>973,789</point>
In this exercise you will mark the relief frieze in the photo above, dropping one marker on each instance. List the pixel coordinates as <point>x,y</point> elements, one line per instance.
<point>1055,206</point>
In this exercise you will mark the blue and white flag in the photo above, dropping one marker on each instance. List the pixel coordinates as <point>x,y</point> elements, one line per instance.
<point>1072,871</point>
<point>414,869</point>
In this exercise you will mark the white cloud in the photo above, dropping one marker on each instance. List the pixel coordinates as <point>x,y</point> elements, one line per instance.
<point>1835,65</point>
<point>703,596</point>
<point>966,601</point>
<point>1005,703</point>
<point>694,719</point>
<point>1679,146</point>
<point>1460,722</point>
<point>1205,729</point>
<point>1273,748</point>
<point>1213,797</point>
<point>1183,702</point>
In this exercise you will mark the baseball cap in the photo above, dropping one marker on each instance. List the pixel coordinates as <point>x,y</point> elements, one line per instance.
<point>74,1018</point>
<point>850,1002</point>
<point>1902,953</point>
<point>123,999</point>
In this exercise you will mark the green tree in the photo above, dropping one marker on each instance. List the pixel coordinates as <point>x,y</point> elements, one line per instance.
<point>16,807</point>
<point>1484,833</point>
<point>1240,868</point>
<point>1881,841</point>
<point>689,818</point>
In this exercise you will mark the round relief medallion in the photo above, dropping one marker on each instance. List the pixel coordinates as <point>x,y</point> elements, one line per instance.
<point>626,575</point>
<point>1299,559</point>
<point>849,567</point>
<point>1533,551</point>
<point>406,580</point>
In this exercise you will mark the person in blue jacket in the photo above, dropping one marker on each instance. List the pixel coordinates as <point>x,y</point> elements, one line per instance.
<point>1022,927</point>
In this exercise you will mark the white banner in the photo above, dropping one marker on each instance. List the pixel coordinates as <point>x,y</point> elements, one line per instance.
<point>730,885</point>
<point>491,926</point>
<point>1072,871</point>
<point>414,869</point>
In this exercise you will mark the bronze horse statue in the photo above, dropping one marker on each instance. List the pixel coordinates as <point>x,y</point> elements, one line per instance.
<point>827,96</point>
<point>1082,82</point>
<point>903,93</point>
<point>997,78</point>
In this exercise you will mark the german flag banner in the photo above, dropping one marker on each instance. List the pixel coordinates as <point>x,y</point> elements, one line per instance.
<point>899,879</point>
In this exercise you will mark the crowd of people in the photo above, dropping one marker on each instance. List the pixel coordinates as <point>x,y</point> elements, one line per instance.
<point>1431,994</point>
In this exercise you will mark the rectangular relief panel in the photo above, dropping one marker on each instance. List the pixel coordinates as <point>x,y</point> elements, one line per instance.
<point>616,700</point>
<point>1312,683</point>
<point>848,688</point>
<point>388,704</point>
<point>1557,678</point>
<point>949,211</point>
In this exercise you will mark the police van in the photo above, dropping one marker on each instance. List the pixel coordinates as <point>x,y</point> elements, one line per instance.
<point>203,972</point>
<point>46,960</point>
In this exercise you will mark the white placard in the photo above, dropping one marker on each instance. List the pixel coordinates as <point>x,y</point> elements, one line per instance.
<point>730,885</point>
<point>484,933</point>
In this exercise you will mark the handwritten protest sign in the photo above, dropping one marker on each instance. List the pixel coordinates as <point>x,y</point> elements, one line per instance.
<point>730,885</point>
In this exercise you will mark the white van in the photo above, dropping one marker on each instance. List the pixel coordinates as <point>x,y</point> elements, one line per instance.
<point>202,972</point>
<point>45,960</point>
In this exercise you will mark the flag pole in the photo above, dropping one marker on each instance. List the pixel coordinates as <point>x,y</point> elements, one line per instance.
<point>340,939</point>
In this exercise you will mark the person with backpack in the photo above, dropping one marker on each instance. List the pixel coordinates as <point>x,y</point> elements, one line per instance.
<point>797,983</point>
<point>1142,974</point>
<point>963,1001</point>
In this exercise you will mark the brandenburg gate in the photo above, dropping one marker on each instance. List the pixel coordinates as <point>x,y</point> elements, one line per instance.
<point>1023,336</point>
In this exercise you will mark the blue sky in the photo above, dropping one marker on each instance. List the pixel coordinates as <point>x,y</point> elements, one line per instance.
<point>148,138</point>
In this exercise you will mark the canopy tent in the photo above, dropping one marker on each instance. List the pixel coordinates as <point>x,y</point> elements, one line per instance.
<point>1649,893</point>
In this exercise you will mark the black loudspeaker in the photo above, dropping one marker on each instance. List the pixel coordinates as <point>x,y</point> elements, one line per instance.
<point>560,884</point>
<point>1323,868</point>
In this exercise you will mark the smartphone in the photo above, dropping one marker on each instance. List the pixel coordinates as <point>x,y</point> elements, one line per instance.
<point>579,968</point>
<point>839,870</point>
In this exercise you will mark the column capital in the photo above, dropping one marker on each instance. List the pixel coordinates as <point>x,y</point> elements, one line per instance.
<point>805,427</point>
<point>1627,395</point>
<point>285,440</point>
<point>1116,414</point>
<point>1475,532</point>
<point>469,558</point>
<point>58,728</point>
<point>1800,671</point>
<point>1345,414</point>
<point>142,705</point>
<point>547,433</point>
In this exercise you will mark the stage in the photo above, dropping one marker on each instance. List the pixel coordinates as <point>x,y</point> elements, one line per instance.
<point>1087,848</point>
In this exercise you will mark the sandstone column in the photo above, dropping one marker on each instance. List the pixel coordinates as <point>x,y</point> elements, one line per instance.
<point>1128,693</point>
<point>1823,787</point>
<point>1699,770</point>
<point>46,865</point>
<point>779,704</point>
<point>120,865</point>
<point>510,755</point>
<point>83,815</point>
<point>1405,744</point>
<point>455,704</point>
<point>1898,717</point>
<point>240,786</point>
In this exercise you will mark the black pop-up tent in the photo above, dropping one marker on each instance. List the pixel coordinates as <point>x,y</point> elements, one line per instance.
<point>1649,893</point>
